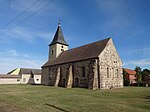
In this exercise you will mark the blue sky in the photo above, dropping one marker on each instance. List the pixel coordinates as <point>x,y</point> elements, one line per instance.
<point>82,21</point>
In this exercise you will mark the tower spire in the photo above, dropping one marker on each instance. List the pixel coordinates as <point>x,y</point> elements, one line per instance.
<point>58,37</point>
<point>58,44</point>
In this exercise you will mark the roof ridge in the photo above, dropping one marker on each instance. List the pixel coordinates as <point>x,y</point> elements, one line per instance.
<point>59,37</point>
<point>87,51</point>
<point>128,69</point>
<point>31,68</point>
<point>88,44</point>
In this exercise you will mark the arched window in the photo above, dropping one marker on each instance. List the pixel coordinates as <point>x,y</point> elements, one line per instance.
<point>117,73</point>
<point>52,52</point>
<point>83,71</point>
<point>113,72</point>
<point>107,72</point>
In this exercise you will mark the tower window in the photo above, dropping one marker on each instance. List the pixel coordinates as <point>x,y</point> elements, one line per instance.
<point>62,46</point>
<point>52,52</point>
<point>62,49</point>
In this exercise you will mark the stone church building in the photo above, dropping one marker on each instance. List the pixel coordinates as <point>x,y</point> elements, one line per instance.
<point>95,66</point>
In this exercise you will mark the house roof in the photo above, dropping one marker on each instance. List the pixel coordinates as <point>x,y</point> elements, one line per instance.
<point>29,71</point>
<point>25,71</point>
<point>14,72</point>
<point>9,76</point>
<point>129,71</point>
<point>84,52</point>
<point>59,37</point>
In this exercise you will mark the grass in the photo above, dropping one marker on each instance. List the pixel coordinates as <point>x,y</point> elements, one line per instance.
<point>35,98</point>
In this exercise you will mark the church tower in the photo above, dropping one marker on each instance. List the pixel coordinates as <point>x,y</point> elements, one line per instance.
<point>58,44</point>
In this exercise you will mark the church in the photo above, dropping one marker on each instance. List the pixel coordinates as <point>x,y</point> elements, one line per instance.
<point>94,66</point>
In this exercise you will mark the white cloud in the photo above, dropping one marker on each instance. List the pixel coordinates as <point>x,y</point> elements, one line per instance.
<point>28,35</point>
<point>21,5</point>
<point>10,60</point>
<point>118,16</point>
<point>8,64</point>
<point>43,5</point>
<point>142,51</point>
<point>139,53</point>
<point>10,53</point>
<point>142,63</point>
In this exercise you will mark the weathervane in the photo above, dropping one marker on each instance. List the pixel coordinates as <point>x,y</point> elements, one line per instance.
<point>59,22</point>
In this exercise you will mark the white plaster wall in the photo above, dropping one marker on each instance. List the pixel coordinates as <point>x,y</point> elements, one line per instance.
<point>37,79</point>
<point>57,49</point>
<point>9,81</point>
<point>25,78</point>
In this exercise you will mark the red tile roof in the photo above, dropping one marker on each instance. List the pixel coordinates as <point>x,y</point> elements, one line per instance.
<point>88,51</point>
<point>129,71</point>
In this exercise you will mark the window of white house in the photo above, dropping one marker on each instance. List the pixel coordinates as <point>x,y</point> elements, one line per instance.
<point>37,79</point>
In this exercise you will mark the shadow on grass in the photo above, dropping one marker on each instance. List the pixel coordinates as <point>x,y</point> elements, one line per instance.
<point>58,108</point>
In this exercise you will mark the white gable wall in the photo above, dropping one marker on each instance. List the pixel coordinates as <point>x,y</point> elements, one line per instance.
<point>27,79</point>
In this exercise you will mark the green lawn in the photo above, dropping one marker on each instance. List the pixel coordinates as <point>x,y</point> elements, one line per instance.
<point>34,98</point>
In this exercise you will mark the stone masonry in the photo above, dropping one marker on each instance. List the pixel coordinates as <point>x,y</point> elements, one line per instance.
<point>93,66</point>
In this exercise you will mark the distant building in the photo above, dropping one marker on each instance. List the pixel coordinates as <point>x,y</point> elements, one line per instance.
<point>95,66</point>
<point>9,79</point>
<point>22,76</point>
<point>146,79</point>
<point>130,75</point>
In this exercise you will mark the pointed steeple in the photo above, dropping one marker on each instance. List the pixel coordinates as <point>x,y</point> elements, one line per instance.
<point>59,37</point>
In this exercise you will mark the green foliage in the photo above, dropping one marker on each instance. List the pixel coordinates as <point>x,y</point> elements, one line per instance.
<point>138,75</point>
<point>145,72</point>
<point>33,98</point>
<point>126,81</point>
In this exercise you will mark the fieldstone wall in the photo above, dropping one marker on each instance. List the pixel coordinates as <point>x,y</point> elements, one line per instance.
<point>52,75</point>
<point>57,77</point>
<point>93,74</point>
<point>110,68</point>
<point>45,76</point>
<point>71,75</point>
<point>104,72</point>
<point>80,79</point>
